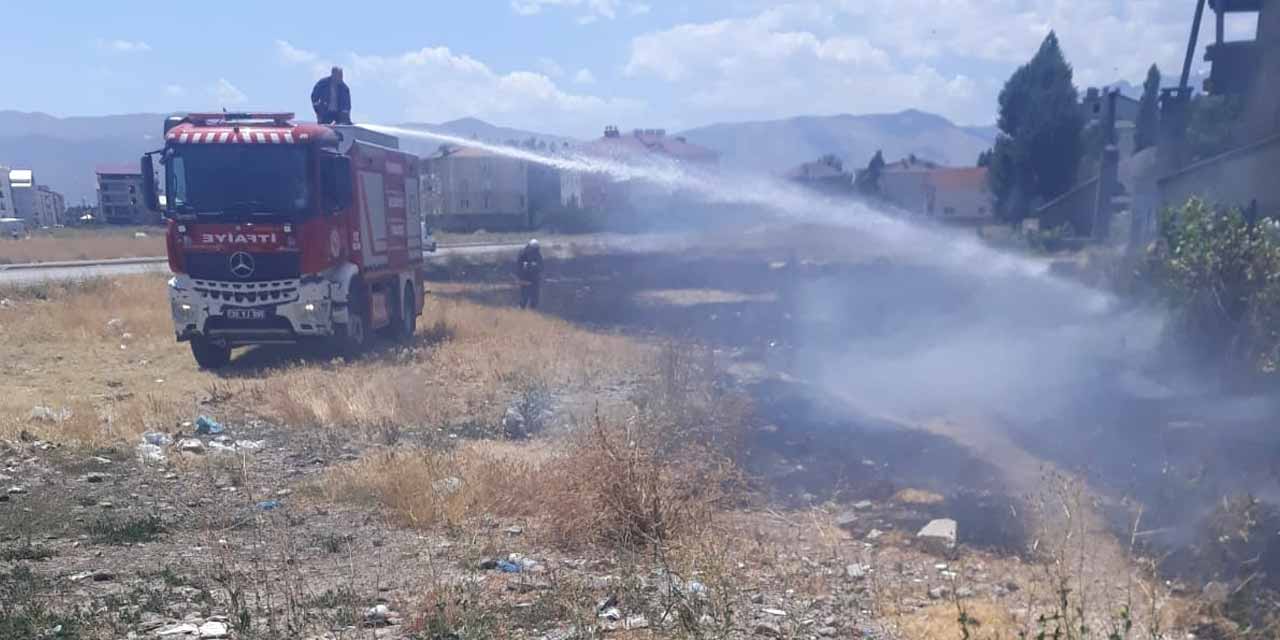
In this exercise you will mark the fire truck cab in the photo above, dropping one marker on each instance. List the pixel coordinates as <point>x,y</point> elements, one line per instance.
<point>281,232</point>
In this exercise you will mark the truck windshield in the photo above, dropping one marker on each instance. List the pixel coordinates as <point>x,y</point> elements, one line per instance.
<point>238,180</point>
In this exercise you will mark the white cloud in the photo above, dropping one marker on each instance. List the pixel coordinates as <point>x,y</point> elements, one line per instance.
<point>175,90</point>
<point>584,76</point>
<point>946,56</point>
<point>550,67</point>
<point>226,94</point>
<point>435,84</point>
<point>589,10</point>
<point>290,55</point>
<point>123,46</point>
<point>293,55</point>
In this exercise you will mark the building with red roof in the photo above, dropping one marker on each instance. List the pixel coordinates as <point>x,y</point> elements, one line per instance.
<point>640,147</point>
<point>958,194</point>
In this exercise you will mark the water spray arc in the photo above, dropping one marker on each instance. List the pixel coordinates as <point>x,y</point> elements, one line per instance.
<point>918,241</point>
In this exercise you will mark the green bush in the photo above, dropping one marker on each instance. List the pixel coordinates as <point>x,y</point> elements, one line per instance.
<point>1221,274</point>
<point>1060,238</point>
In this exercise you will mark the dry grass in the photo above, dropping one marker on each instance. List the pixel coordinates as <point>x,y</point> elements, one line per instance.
<point>476,361</point>
<point>658,474</point>
<point>83,244</point>
<point>104,350</point>
<point>985,619</point>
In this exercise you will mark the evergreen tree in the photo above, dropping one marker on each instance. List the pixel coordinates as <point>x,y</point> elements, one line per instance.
<point>1148,124</point>
<point>868,182</point>
<point>1037,153</point>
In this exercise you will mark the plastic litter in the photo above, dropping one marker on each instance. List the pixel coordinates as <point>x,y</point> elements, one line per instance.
<point>208,426</point>
<point>509,567</point>
<point>220,447</point>
<point>269,505</point>
<point>150,452</point>
<point>157,439</point>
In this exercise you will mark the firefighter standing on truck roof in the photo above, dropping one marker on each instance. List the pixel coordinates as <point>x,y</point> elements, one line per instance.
<point>529,272</point>
<point>331,99</point>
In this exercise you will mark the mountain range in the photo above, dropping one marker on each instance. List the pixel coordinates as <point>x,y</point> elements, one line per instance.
<point>63,152</point>
<point>777,145</point>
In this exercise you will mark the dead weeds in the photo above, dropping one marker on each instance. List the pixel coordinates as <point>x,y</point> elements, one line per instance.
<point>83,244</point>
<point>94,363</point>
<point>476,363</point>
<point>632,481</point>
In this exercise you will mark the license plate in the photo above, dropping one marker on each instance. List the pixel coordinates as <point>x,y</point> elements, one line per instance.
<point>246,314</point>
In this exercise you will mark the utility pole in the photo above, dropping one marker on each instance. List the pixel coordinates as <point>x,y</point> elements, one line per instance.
<point>1109,173</point>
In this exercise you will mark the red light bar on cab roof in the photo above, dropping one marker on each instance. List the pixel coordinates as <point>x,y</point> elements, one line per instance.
<point>208,118</point>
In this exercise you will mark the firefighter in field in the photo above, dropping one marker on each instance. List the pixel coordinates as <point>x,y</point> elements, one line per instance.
<point>529,273</point>
<point>332,99</point>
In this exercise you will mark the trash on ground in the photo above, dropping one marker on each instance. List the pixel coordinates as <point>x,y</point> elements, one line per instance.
<point>150,453</point>
<point>156,438</point>
<point>208,426</point>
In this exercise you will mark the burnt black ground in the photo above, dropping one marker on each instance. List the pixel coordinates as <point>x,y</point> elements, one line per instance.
<point>1164,455</point>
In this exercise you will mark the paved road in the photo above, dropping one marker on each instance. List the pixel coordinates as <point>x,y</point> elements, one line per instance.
<point>31,274</point>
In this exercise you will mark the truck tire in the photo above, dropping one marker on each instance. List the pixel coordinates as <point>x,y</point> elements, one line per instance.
<point>210,355</point>
<point>353,337</point>
<point>406,316</point>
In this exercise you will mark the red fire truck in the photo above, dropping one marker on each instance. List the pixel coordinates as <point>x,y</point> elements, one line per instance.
<point>280,232</point>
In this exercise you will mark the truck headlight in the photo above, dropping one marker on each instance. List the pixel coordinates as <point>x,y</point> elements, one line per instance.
<point>186,308</point>
<point>310,307</point>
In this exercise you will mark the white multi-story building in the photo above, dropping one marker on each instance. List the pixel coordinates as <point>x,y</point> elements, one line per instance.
<point>37,204</point>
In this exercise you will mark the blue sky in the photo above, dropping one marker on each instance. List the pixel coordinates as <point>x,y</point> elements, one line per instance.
<point>573,66</point>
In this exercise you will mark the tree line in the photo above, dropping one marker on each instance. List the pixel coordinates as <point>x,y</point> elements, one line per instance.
<point>1045,146</point>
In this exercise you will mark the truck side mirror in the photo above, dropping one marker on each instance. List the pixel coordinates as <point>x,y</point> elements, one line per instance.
<point>150,195</point>
<point>336,178</point>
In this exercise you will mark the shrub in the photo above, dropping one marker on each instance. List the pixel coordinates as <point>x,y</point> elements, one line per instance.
<point>107,530</point>
<point>642,479</point>
<point>1220,272</point>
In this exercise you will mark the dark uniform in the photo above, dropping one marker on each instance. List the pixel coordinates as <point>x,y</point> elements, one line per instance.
<point>332,100</point>
<point>529,272</point>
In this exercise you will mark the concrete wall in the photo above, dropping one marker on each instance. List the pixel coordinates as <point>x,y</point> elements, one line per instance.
<point>483,189</point>
<point>571,190</point>
<point>1261,117</point>
<point>120,200</point>
<point>963,203</point>
<point>1233,179</point>
<point>914,191</point>
<point>907,189</point>
<point>6,194</point>
<point>24,205</point>
<point>52,206</point>
<point>1094,107</point>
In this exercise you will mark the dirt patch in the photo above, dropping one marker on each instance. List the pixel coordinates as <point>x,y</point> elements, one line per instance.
<point>668,494</point>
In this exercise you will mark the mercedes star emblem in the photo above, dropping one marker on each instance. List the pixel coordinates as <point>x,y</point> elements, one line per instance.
<point>241,264</point>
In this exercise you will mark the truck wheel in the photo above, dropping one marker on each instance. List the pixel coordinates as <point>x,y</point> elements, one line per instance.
<point>406,317</point>
<point>353,337</point>
<point>210,355</point>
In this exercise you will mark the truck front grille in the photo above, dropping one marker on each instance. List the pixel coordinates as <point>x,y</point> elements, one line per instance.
<point>248,293</point>
<point>266,267</point>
